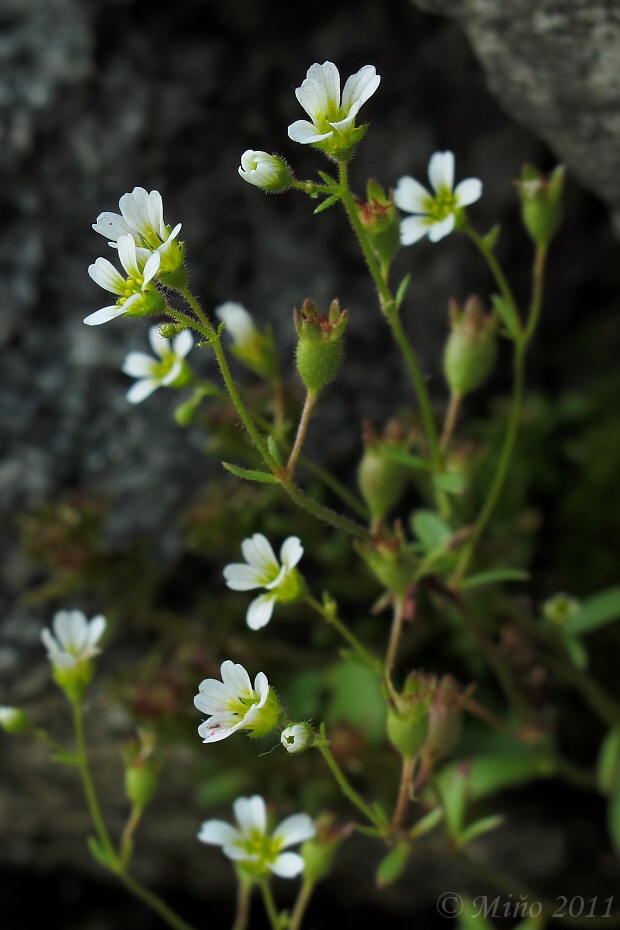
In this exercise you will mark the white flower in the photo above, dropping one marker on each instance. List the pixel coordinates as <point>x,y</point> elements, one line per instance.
<point>142,217</point>
<point>156,372</point>
<point>262,570</point>
<point>297,737</point>
<point>332,118</point>
<point>13,720</point>
<point>233,704</point>
<point>239,324</point>
<point>436,213</point>
<point>251,844</point>
<point>135,293</point>
<point>75,639</point>
<point>269,172</point>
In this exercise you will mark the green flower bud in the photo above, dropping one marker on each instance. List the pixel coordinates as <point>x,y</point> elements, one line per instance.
<point>390,563</point>
<point>541,207</point>
<point>382,480</point>
<point>14,721</point>
<point>560,608</point>
<point>319,852</point>
<point>142,768</point>
<point>170,330</point>
<point>471,349</point>
<point>319,349</point>
<point>409,715</point>
<point>444,726</point>
<point>380,219</point>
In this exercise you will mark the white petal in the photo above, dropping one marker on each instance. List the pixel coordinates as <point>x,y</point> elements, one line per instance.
<point>159,345</point>
<point>411,196</point>
<point>235,677</point>
<point>359,87</point>
<point>295,829</point>
<point>251,814</point>
<point>106,276</point>
<point>260,611</point>
<point>261,686</point>
<point>70,628</point>
<point>287,865</point>
<point>139,365</point>
<point>173,374</point>
<point>215,732</point>
<point>128,257</point>
<point>218,833</point>
<point>291,552</point>
<point>151,268</point>
<point>304,132</point>
<point>105,314</point>
<point>412,229</point>
<point>111,225</point>
<point>242,577</point>
<point>441,171</point>
<point>468,191</point>
<point>155,209</point>
<point>96,629</point>
<point>214,697</point>
<point>239,323</point>
<point>330,79</point>
<point>183,343</point>
<point>257,551</point>
<point>135,209</point>
<point>438,230</point>
<point>50,644</point>
<point>142,389</point>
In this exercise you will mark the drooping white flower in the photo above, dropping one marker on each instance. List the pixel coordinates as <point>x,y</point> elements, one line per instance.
<point>239,323</point>
<point>269,172</point>
<point>262,570</point>
<point>136,293</point>
<point>435,214</point>
<point>142,217</point>
<point>234,704</point>
<point>74,640</point>
<point>156,372</point>
<point>250,843</point>
<point>332,116</point>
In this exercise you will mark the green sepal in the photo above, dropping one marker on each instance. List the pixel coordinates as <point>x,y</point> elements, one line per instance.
<point>250,474</point>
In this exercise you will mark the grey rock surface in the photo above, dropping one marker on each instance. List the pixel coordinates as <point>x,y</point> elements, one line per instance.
<point>554,65</point>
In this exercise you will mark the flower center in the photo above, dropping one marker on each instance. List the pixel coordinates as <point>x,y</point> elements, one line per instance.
<point>442,205</point>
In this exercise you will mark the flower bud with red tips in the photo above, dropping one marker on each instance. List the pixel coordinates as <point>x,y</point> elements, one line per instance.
<point>471,348</point>
<point>379,217</point>
<point>541,202</point>
<point>319,349</point>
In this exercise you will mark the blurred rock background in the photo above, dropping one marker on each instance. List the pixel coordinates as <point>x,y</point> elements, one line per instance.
<point>99,96</point>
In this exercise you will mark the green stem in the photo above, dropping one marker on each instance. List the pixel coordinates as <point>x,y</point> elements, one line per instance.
<point>322,745</point>
<point>154,902</point>
<point>303,899</point>
<point>332,618</point>
<point>495,268</point>
<point>450,422</point>
<point>128,832</point>
<point>244,894</point>
<point>334,485</point>
<point>89,788</point>
<point>302,429</point>
<point>395,634</point>
<point>270,906</point>
<point>404,792</point>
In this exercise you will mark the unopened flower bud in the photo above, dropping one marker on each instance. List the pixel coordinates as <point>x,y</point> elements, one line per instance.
<point>142,768</point>
<point>409,715</point>
<point>560,608</point>
<point>390,562</point>
<point>541,206</point>
<point>269,172</point>
<point>297,737</point>
<point>319,346</point>
<point>444,725</point>
<point>379,218</point>
<point>471,348</point>
<point>14,721</point>
<point>381,479</point>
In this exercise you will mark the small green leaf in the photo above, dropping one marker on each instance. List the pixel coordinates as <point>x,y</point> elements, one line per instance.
<point>471,916</point>
<point>274,449</point>
<point>608,765</point>
<point>357,699</point>
<point>404,458</point>
<point>490,240</point>
<point>327,178</point>
<point>392,866</point>
<point>402,290</point>
<point>431,530</point>
<point>595,612</point>
<point>100,854</point>
<point>450,482</point>
<point>328,202</point>
<point>491,773</point>
<point>493,576</point>
<point>613,814</point>
<point>453,791</point>
<point>576,651</point>
<point>478,828</point>
<point>507,315</point>
<point>250,474</point>
<point>427,823</point>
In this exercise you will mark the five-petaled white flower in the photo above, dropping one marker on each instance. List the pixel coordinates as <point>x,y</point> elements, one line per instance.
<point>75,639</point>
<point>136,293</point>
<point>233,704</point>
<point>156,372</point>
<point>436,213</point>
<point>142,217</point>
<point>258,851</point>
<point>262,570</point>
<point>333,117</point>
<point>269,172</point>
